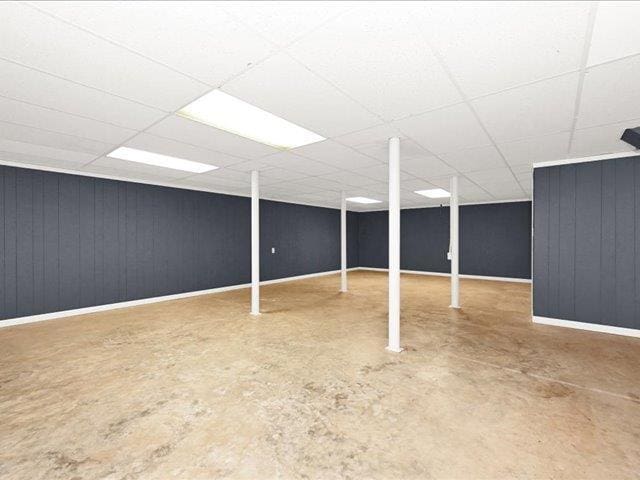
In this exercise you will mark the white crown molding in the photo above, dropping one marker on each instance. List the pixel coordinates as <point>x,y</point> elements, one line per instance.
<point>595,158</point>
<point>82,173</point>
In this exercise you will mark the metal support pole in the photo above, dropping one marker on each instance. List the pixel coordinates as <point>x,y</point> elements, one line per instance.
<point>394,245</point>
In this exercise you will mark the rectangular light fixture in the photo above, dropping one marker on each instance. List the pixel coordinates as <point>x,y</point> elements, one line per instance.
<point>226,112</point>
<point>434,193</point>
<point>159,160</point>
<point>362,200</point>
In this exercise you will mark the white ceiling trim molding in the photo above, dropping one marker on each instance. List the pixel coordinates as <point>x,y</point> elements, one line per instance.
<point>81,173</point>
<point>595,158</point>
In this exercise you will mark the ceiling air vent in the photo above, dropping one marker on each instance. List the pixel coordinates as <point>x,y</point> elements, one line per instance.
<point>631,136</point>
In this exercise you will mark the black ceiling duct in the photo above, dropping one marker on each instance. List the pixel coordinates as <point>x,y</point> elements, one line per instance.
<point>631,136</point>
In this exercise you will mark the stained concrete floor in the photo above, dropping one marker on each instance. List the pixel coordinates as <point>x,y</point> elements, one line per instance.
<point>197,389</point>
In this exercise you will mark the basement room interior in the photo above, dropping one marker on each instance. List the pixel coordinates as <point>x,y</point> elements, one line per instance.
<point>319,240</point>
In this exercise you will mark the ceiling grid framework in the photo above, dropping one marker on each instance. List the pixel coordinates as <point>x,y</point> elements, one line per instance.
<point>480,106</point>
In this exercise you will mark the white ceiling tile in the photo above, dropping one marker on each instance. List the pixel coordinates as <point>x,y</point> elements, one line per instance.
<point>283,22</point>
<point>380,173</point>
<point>244,178</point>
<point>289,161</point>
<point>490,46</point>
<point>465,186</point>
<point>471,159</point>
<point>600,140</point>
<point>317,183</point>
<point>31,86</point>
<point>166,146</point>
<point>425,166</point>
<point>38,40</point>
<point>445,130</point>
<point>36,136</point>
<point>537,149</point>
<point>64,162</point>
<point>349,179</point>
<point>212,181</point>
<point>333,153</point>
<point>197,38</point>
<point>529,111</point>
<point>282,86</point>
<point>413,184</point>
<point>47,119</point>
<point>275,174</point>
<point>45,151</point>
<point>136,171</point>
<point>202,40</point>
<point>611,93</point>
<point>251,165</point>
<point>201,135</point>
<point>615,32</point>
<point>380,134</point>
<point>376,55</point>
<point>505,190</point>
<point>491,176</point>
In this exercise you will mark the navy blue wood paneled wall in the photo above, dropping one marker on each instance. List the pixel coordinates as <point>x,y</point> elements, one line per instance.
<point>70,241</point>
<point>587,242</point>
<point>495,239</point>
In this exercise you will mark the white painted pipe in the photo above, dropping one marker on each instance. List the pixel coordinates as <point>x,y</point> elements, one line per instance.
<point>394,245</point>
<point>343,244</point>
<point>454,241</point>
<point>255,243</point>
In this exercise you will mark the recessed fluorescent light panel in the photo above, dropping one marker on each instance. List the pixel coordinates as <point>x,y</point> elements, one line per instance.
<point>362,200</point>
<point>159,160</point>
<point>226,112</point>
<point>434,193</point>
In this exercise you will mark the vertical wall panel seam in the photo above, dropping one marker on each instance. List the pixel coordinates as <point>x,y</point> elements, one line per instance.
<point>575,235</point>
<point>15,192</point>
<point>559,245</point>
<point>548,237</point>
<point>615,240</point>
<point>33,241</point>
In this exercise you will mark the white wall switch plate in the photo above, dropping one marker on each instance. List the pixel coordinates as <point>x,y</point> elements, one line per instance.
<point>273,249</point>
<point>448,255</point>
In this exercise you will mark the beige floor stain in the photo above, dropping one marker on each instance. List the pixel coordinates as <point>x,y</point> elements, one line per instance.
<point>198,389</point>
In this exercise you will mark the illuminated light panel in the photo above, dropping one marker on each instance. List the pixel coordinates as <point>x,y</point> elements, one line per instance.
<point>159,160</point>
<point>226,112</point>
<point>434,193</point>
<point>362,200</point>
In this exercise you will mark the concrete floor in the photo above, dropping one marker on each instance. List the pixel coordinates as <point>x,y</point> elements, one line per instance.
<point>197,388</point>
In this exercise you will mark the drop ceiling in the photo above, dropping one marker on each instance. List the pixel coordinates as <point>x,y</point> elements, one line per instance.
<point>478,90</point>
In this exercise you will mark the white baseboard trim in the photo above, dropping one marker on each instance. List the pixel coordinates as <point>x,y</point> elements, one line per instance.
<point>441,274</point>
<point>594,327</point>
<point>144,301</point>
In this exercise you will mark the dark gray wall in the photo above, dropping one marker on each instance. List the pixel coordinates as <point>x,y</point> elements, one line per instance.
<point>69,241</point>
<point>587,242</point>
<point>495,239</point>
<point>306,239</point>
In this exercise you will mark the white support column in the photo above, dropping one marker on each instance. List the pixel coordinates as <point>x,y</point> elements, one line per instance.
<point>343,244</point>
<point>255,243</point>
<point>454,243</point>
<point>394,245</point>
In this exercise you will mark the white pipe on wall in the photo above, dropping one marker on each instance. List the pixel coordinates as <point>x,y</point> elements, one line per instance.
<point>343,244</point>
<point>454,241</point>
<point>394,245</point>
<point>255,243</point>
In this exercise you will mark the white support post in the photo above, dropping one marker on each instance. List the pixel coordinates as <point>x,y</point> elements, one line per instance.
<point>454,243</point>
<point>343,244</point>
<point>255,243</point>
<point>394,245</point>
